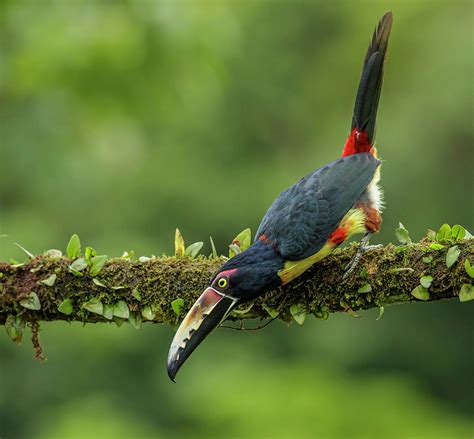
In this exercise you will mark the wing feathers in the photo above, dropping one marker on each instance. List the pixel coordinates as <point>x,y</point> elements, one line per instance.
<point>301,219</point>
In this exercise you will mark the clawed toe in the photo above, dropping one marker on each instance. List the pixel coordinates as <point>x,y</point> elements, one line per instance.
<point>363,248</point>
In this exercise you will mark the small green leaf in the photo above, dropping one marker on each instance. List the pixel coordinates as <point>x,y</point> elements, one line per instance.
<point>29,254</point>
<point>444,233</point>
<point>73,249</point>
<point>431,234</point>
<point>89,253</point>
<point>99,283</point>
<point>351,312</point>
<point>53,253</point>
<point>97,263</point>
<point>177,305</point>
<point>421,293</point>
<point>452,255</point>
<point>321,313</point>
<point>178,244</point>
<point>426,281</point>
<point>402,234</point>
<point>31,301</point>
<point>119,321</point>
<point>119,287</point>
<point>121,310</point>
<point>78,265</point>
<point>324,315</point>
<point>366,288</point>
<point>66,307</point>
<point>273,313</point>
<point>15,326</point>
<point>148,313</point>
<point>469,268</point>
<point>135,319</point>
<point>243,239</point>
<point>242,309</point>
<point>213,247</point>
<point>193,249</point>
<point>428,259</point>
<point>458,232</point>
<point>94,305</point>
<point>234,250</point>
<point>128,255</point>
<point>381,311</point>
<point>436,246</point>
<point>136,294</point>
<point>49,281</point>
<point>466,293</point>
<point>108,312</point>
<point>363,273</point>
<point>298,313</point>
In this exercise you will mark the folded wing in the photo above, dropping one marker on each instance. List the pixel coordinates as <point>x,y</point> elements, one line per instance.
<point>302,218</point>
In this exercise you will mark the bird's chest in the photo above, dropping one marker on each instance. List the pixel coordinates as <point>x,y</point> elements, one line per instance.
<point>374,194</point>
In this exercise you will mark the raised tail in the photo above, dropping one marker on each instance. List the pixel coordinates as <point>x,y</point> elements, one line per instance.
<point>361,137</point>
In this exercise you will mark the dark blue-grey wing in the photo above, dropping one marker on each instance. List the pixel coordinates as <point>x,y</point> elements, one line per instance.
<point>301,219</point>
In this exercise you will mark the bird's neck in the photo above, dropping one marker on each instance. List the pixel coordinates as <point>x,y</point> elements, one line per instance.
<point>258,268</point>
<point>263,252</point>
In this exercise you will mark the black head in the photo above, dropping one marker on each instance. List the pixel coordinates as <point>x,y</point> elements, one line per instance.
<point>242,278</point>
<point>250,273</point>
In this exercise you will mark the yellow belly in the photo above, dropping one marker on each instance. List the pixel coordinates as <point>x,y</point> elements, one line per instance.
<point>294,269</point>
<point>352,223</point>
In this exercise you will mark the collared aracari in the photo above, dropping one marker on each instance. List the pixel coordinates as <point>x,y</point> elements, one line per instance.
<point>306,222</point>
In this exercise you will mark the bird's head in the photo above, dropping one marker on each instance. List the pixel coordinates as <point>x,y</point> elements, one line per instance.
<point>242,278</point>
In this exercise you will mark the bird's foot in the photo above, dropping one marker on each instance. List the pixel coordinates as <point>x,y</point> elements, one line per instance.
<point>363,248</point>
<point>352,265</point>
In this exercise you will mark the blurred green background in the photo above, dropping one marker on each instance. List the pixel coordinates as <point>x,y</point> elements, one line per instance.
<point>122,120</point>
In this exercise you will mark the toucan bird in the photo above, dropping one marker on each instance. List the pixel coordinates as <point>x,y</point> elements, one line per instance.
<point>306,222</point>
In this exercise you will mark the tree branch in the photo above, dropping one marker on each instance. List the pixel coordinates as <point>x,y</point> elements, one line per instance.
<point>146,290</point>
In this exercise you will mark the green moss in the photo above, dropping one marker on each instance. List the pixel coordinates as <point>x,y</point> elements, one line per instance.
<point>392,276</point>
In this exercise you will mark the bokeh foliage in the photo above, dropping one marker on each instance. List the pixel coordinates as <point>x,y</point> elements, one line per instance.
<point>122,120</point>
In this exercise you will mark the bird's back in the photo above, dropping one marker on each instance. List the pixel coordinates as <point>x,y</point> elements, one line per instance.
<point>303,216</point>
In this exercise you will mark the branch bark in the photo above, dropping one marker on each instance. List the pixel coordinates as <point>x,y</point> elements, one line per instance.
<point>385,276</point>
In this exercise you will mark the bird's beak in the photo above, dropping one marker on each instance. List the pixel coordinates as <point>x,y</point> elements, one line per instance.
<point>208,311</point>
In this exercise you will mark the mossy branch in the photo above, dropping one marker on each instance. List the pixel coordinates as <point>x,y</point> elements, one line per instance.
<point>45,288</point>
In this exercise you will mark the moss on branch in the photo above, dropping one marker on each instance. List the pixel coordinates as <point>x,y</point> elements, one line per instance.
<point>161,288</point>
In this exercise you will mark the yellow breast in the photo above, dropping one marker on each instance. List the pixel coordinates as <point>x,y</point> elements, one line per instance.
<point>351,224</point>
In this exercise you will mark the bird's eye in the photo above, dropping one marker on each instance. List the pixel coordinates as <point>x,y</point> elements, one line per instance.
<point>222,282</point>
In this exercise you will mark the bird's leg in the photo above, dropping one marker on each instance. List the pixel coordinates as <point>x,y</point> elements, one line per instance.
<point>363,247</point>
<point>355,260</point>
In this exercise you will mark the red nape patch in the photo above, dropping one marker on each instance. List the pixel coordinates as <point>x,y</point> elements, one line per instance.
<point>357,141</point>
<point>338,236</point>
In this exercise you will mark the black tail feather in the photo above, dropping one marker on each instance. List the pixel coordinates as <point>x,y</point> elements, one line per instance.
<point>370,86</point>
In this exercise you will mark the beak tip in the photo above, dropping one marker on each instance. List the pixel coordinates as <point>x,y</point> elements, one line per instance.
<point>208,311</point>
<point>172,368</point>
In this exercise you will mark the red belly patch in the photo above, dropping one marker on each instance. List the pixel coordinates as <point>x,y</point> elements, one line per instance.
<point>338,236</point>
